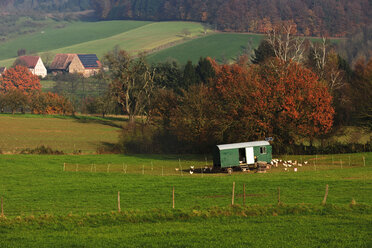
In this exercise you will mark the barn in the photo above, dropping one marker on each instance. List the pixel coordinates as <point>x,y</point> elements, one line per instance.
<point>61,63</point>
<point>241,154</point>
<point>85,64</point>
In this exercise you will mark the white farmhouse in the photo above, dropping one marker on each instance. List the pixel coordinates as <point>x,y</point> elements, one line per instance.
<point>34,64</point>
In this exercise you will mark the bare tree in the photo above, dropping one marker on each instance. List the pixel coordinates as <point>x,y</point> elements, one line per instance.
<point>286,46</point>
<point>319,54</point>
<point>132,82</point>
<point>332,74</point>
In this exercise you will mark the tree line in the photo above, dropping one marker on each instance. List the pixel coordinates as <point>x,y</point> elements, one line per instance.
<point>316,18</point>
<point>290,89</point>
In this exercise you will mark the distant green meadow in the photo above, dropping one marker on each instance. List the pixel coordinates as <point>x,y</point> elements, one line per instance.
<point>66,35</point>
<point>100,38</point>
<point>224,47</point>
<point>163,40</point>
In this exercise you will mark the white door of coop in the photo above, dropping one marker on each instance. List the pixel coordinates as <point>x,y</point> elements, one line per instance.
<point>250,155</point>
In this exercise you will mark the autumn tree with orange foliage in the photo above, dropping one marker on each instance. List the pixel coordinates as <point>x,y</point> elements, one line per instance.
<point>19,78</point>
<point>278,99</point>
<point>50,103</point>
<point>292,101</point>
<point>20,89</point>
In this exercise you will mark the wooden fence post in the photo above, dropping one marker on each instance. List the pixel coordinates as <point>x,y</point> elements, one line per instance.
<point>91,168</point>
<point>279,196</point>
<point>173,198</point>
<point>349,161</point>
<point>143,169</point>
<point>162,170</point>
<point>64,166</point>
<point>244,194</point>
<point>364,161</point>
<point>341,163</point>
<point>77,167</point>
<point>152,166</point>
<point>119,208</point>
<point>233,194</point>
<point>325,196</point>
<point>2,207</point>
<point>108,168</point>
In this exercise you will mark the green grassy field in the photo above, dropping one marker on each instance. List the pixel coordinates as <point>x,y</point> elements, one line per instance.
<point>101,37</point>
<point>67,35</point>
<point>67,134</point>
<point>81,190</point>
<point>73,208</point>
<point>222,47</point>
<point>347,230</point>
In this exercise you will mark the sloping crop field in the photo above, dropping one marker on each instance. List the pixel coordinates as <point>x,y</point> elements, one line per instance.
<point>145,38</point>
<point>66,134</point>
<point>101,37</point>
<point>67,35</point>
<point>223,47</point>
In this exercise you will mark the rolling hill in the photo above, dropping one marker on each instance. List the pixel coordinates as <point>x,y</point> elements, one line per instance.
<point>66,35</point>
<point>101,37</point>
<point>220,46</point>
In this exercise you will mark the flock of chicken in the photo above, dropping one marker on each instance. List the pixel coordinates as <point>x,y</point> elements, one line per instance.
<point>287,164</point>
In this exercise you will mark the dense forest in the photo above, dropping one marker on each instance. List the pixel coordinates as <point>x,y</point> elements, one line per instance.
<point>313,17</point>
<point>44,5</point>
<point>319,18</point>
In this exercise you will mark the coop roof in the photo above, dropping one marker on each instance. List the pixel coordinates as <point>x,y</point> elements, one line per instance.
<point>62,61</point>
<point>243,145</point>
<point>29,61</point>
<point>89,61</point>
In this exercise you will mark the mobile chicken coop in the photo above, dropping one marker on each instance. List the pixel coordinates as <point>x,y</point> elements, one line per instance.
<point>241,154</point>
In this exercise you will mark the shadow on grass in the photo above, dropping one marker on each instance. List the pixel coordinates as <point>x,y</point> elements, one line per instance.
<point>108,121</point>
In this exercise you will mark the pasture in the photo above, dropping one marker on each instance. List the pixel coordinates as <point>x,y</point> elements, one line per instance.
<point>76,207</point>
<point>19,132</point>
<point>224,47</point>
<point>102,37</point>
<point>66,34</point>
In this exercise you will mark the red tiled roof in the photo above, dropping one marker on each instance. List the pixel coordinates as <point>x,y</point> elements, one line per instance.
<point>62,61</point>
<point>29,61</point>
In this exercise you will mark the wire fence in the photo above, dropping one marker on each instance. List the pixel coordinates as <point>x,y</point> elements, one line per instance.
<point>151,192</point>
<point>194,168</point>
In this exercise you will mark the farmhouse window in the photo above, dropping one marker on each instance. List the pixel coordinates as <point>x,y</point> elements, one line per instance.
<point>263,150</point>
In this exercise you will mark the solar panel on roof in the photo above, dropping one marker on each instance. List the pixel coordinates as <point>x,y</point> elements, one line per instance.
<point>89,60</point>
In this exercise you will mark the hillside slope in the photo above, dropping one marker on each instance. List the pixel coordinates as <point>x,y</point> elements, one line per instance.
<point>101,37</point>
<point>223,47</point>
<point>67,35</point>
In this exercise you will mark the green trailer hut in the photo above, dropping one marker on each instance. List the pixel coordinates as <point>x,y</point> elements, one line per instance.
<point>241,154</point>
